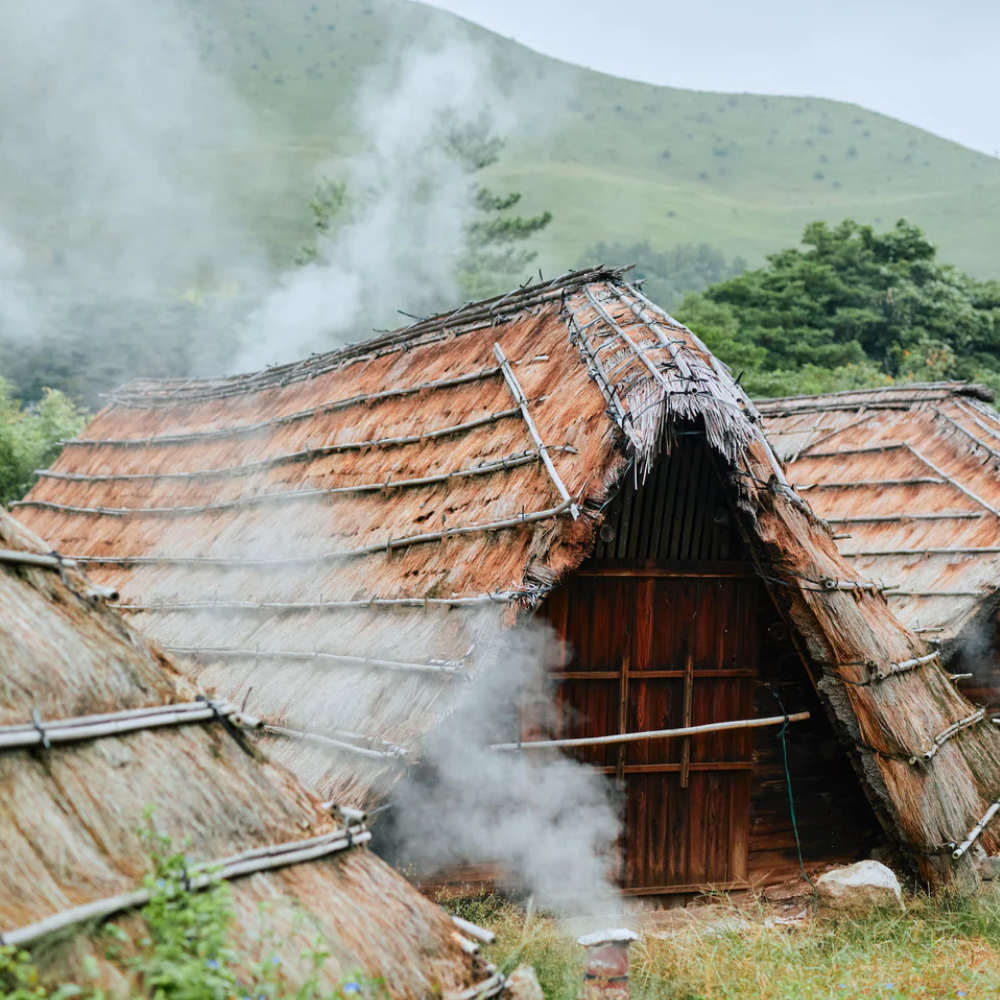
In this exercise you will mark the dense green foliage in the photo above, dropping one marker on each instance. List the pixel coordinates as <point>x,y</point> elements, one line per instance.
<point>29,437</point>
<point>185,951</point>
<point>668,274</point>
<point>849,308</point>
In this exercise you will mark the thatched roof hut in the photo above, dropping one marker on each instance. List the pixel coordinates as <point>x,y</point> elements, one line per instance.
<point>96,725</point>
<point>909,478</point>
<point>332,540</point>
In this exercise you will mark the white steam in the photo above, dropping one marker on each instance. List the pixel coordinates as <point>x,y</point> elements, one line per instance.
<point>412,201</point>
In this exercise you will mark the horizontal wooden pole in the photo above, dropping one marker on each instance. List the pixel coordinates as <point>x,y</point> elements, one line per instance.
<point>653,734</point>
<point>284,496</point>
<point>245,863</point>
<point>388,546</point>
<point>18,557</point>
<point>706,766</point>
<point>638,674</point>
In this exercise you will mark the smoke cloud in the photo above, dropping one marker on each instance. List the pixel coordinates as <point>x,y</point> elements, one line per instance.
<point>412,201</point>
<point>130,162</point>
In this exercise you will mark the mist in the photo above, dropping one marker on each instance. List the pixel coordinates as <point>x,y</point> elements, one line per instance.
<point>125,233</point>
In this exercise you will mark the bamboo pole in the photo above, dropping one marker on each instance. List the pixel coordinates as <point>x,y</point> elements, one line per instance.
<point>953,730</point>
<point>235,562</point>
<point>904,667</point>
<point>958,486</point>
<point>877,449</point>
<point>977,442</point>
<point>956,550</point>
<point>333,406</point>
<point>636,349</point>
<point>653,734</point>
<point>19,557</point>
<point>202,875</point>
<point>45,733</point>
<point>609,390</point>
<point>498,597</point>
<point>474,930</point>
<point>976,831</point>
<point>543,454</point>
<point>512,461</point>
<point>444,668</point>
<point>317,452</point>
<point>957,515</point>
<point>339,741</point>
<point>872,483</point>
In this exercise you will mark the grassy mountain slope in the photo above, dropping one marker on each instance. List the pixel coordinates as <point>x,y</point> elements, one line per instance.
<point>613,159</point>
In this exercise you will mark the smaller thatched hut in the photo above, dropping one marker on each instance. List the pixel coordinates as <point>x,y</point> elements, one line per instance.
<point>909,478</point>
<point>95,726</point>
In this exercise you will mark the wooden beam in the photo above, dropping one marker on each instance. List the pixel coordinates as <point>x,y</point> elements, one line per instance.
<point>688,706</point>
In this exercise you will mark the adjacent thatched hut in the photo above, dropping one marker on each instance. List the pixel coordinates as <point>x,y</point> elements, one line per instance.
<point>332,541</point>
<point>909,478</point>
<point>96,725</point>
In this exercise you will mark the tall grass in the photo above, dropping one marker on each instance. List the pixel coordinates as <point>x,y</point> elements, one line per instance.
<point>947,946</point>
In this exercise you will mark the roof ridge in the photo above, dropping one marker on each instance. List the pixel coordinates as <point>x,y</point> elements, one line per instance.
<point>954,388</point>
<point>471,316</point>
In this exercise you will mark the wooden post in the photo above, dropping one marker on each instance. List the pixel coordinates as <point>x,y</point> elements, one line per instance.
<point>622,717</point>
<point>688,699</point>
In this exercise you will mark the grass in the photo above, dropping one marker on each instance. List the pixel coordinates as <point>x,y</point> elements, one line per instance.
<point>941,947</point>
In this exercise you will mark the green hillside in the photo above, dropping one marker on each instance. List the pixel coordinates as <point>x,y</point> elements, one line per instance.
<point>614,160</point>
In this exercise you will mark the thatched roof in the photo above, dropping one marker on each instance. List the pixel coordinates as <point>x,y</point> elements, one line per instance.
<point>911,476</point>
<point>392,501</point>
<point>70,813</point>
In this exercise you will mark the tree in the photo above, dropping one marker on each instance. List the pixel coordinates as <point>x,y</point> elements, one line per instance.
<point>29,437</point>
<point>852,308</point>
<point>495,255</point>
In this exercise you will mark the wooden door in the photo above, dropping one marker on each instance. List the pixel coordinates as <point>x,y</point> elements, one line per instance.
<point>660,648</point>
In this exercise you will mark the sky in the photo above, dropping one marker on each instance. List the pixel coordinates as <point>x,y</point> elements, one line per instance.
<point>930,63</point>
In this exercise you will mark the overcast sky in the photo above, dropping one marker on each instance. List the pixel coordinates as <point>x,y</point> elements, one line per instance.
<point>934,63</point>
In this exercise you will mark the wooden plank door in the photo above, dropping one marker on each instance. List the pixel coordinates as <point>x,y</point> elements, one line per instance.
<point>661,648</point>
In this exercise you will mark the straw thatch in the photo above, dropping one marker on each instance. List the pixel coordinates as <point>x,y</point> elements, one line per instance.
<point>379,501</point>
<point>909,478</point>
<point>70,814</point>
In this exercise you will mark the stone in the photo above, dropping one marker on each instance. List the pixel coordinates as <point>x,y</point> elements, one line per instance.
<point>861,886</point>
<point>989,868</point>
<point>522,984</point>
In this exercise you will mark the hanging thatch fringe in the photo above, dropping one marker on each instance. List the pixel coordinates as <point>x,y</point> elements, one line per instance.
<point>522,402</point>
<point>389,545</point>
<point>87,727</point>
<point>443,668</point>
<point>527,597</point>
<point>201,875</point>
<point>504,464</point>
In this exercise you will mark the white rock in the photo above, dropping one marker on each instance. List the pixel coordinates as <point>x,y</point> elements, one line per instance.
<point>860,886</point>
<point>522,984</point>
